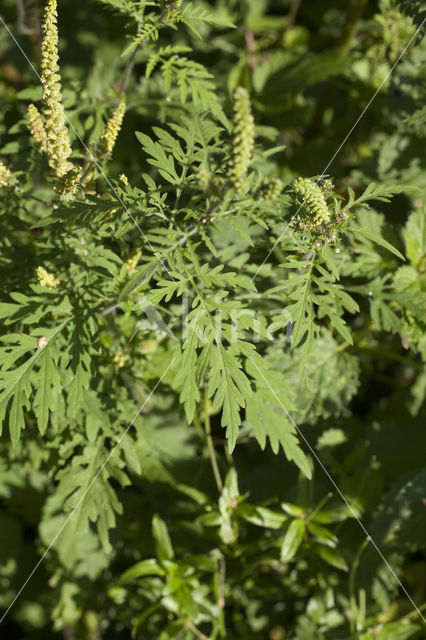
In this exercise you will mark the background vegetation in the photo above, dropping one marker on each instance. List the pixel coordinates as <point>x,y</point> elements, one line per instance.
<point>215,516</point>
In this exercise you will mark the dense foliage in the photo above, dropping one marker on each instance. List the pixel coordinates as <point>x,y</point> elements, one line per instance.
<point>213,303</point>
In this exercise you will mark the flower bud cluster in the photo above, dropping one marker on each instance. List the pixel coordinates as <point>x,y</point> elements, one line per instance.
<point>37,129</point>
<point>315,201</point>
<point>203,178</point>
<point>243,139</point>
<point>175,6</point>
<point>5,176</point>
<point>58,143</point>
<point>327,186</point>
<point>112,129</point>
<point>66,185</point>
<point>272,190</point>
<point>132,261</point>
<point>46,279</point>
<point>119,359</point>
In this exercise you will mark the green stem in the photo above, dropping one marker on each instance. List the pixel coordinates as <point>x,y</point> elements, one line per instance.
<point>352,575</point>
<point>319,507</point>
<point>292,14</point>
<point>194,630</point>
<point>391,356</point>
<point>210,444</point>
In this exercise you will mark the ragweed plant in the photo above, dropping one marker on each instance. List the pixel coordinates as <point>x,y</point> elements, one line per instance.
<point>192,318</point>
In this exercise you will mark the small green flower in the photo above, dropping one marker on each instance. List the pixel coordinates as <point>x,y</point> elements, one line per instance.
<point>57,140</point>
<point>272,190</point>
<point>5,176</point>
<point>243,139</point>
<point>327,186</point>
<point>316,205</point>
<point>132,261</point>
<point>119,359</point>
<point>37,129</point>
<point>46,279</point>
<point>112,129</point>
<point>203,178</point>
<point>66,186</point>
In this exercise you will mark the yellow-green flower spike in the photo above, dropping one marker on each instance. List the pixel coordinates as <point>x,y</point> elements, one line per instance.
<point>57,140</point>
<point>112,129</point>
<point>46,279</point>
<point>132,261</point>
<point>243,139</point>
<point>314,199</point>
<point>36,127</point>
<point>5,176</point>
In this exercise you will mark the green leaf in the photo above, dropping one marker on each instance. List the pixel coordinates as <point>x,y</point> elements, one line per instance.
<point>325,536</point>
<point>268,414</point>
<point>415,237</point>
<point>140,569</point>
<point>162,540</point>
<point>229,387</point>
<point>332,557</point>
<point>85,489</point>
<point>292,540</point>
<point>377,239</point>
